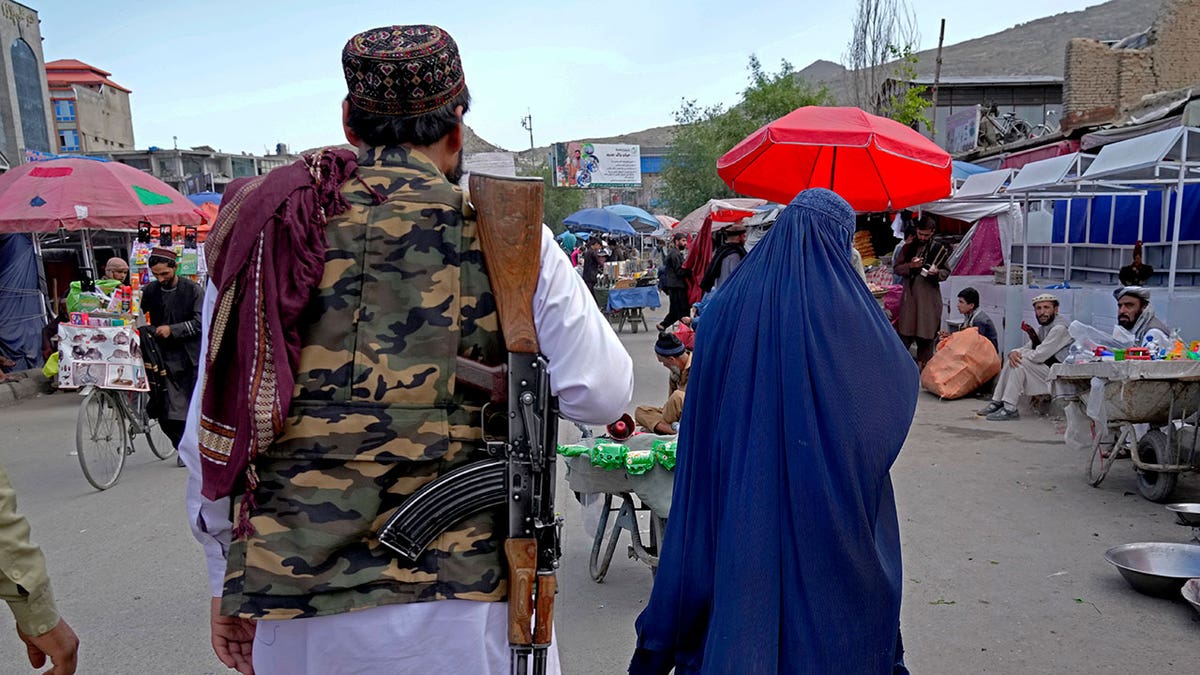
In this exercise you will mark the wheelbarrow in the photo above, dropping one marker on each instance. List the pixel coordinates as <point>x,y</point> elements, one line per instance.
<point>627,496</point>
<point>1163,394</point>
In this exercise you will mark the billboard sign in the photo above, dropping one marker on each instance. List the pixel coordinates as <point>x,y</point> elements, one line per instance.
<point>962,130</point>
<point>597,165</point>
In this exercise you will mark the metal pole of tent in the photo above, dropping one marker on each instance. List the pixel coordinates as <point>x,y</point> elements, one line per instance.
<point>1067,243</point>
<point>1166,213</point>
<point>1087,222</point>
<point>1142,217</point>
<point>1183,167</point>
<point>89,254</point>
<point>1006,251</point>
<point>1025,243</point>
<point>49,304</point>
<point>1112,216</point>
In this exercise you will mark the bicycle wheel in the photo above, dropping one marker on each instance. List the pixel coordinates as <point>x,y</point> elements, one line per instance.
<point>159,444</point>
<point>101,439</point>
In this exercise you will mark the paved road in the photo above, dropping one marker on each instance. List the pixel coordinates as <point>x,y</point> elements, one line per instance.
<point>1003,546</point>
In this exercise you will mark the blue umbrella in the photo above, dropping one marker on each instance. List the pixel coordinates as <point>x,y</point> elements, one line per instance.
<point>598,220</point>
<point>201,198</point>
<point>634,215</point>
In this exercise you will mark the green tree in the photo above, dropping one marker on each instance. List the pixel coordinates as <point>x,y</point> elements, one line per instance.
<point>704,134</point>
<point>905,102</point>
<point>558,203</point>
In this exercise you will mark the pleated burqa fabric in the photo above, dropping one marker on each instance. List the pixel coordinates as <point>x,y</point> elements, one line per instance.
<point>782,551</point>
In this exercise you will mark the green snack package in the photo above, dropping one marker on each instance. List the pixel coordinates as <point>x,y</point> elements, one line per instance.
<point>638,462</point>
<point>664,452</point>
<point>609,456</point>
<point>572,450</point>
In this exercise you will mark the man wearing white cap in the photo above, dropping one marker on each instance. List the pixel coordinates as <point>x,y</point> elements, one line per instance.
<point>1135,314</point>
<point>1027,370</point>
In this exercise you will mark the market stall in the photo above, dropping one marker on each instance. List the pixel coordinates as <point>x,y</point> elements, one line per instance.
<point>1121,394</point>
<point>637,475</point>
<point>88,207</point>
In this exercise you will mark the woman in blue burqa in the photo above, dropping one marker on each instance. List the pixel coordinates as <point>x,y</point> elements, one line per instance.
<point>782,550</point>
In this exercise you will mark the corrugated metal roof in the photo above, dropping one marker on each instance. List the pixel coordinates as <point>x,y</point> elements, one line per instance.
<point>1010,80</point>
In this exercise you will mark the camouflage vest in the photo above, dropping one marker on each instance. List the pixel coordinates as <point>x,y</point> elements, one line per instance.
<point>376,413</point>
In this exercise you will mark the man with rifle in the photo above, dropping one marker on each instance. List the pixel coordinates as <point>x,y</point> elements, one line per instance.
<point>323,420</point>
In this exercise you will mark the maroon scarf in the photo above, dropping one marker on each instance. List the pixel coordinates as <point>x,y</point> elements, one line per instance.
<point>265,255</point>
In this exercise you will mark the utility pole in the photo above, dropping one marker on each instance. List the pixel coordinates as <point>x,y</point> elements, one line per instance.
<point>527,122</point>
<point>937,78</point>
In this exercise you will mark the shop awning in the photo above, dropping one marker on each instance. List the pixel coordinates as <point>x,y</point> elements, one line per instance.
<point>984,184</point>
<point>1153,158</point>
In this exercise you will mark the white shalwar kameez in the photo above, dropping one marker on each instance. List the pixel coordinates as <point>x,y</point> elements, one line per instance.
<point>592,375</point>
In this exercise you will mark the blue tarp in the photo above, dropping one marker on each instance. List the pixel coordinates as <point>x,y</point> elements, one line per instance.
<point>962,170</point>
<point>201,198</point>
<point>1125,226</point>
<point>622,298</point>
<point>22,314</point>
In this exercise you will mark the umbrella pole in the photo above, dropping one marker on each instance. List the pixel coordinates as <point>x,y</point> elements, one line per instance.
<point>89,254</point>
<point>832,167</point>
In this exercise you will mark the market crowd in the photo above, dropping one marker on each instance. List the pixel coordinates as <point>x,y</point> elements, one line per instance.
<point>320,358</point>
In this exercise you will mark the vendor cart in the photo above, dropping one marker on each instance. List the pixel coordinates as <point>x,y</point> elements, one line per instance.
<point>627,495</point>
<point>105,364</point>
<point>1122,394</point>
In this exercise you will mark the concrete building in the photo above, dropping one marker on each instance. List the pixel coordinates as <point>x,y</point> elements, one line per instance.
<point>1108,82</point>
<point>25,121</point>
<point>91,112</point>
<point>200,168</point>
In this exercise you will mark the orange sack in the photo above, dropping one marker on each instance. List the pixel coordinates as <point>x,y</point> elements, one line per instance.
<point>963,362</point>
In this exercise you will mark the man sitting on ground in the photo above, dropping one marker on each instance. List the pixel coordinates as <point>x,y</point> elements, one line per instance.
<point>674,357</point>
<point>968,306</point>
<point>1027,370</point>
<point>1135,314</point>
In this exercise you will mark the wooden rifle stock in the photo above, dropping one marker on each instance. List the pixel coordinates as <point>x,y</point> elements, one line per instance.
<point>509,212</point>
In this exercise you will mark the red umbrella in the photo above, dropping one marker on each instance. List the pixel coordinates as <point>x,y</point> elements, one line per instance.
<point>876,164</point>
<point>720,210</point>
<point>76,193</point>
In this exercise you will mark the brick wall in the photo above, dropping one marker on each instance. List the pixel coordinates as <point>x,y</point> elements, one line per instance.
<point>1177,44</point>
<point>1091,76</point>
<point>1135,76</point>
<point>1102,84</point>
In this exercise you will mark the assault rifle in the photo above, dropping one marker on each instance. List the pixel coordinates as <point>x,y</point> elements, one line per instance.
<point>520,470</point>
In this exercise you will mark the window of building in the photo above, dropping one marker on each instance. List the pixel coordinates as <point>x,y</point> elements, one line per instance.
<point>27,76</point>
<point>64,110</point>
<point>68,140</point>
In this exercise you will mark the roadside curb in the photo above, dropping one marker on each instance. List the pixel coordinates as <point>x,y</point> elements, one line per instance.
<point>33,384</point>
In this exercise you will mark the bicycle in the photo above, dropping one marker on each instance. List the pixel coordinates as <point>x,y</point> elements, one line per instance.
<point>104,429</point>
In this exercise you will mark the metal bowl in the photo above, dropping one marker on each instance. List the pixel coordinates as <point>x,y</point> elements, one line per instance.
<point>1191,593</point>
<point>1157,569</point>
<point>1186,514</point>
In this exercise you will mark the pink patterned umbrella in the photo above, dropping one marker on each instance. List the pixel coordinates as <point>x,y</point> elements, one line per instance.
<point>76,193</point>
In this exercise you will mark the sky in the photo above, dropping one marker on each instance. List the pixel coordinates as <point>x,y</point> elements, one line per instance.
<point>243,76</point>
